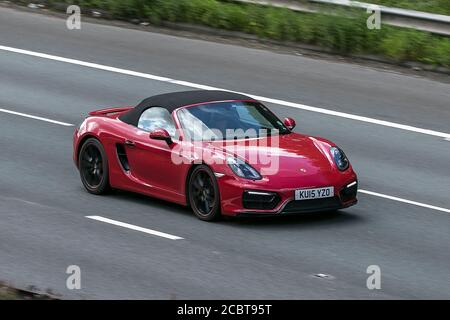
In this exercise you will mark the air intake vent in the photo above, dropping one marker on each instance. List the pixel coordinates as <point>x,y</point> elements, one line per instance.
<point>260,200</point>
<point>122,155</point>
<point>303,206</point>
<point>349,192</point>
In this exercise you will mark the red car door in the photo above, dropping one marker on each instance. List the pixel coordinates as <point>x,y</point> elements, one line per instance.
<point>151,164</point>
<point>150,160</point>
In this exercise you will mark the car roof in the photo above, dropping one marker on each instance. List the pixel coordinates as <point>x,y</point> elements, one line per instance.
<point>175,100</point>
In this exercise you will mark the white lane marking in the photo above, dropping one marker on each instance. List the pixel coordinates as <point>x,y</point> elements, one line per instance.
<point>136,228</point>
<point>206,87</point>
<point>424,205</point>
<point>355,117</point>
<point>85,64</point>
<point>36,118</point>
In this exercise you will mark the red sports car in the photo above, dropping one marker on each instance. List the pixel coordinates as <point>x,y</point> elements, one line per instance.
<point>219,152</point>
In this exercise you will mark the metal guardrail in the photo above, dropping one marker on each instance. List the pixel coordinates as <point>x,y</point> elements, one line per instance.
<point>423,21</point>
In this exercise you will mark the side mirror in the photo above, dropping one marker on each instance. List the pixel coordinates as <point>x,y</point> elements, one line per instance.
<point>289,123</point>
<point>161,134</point>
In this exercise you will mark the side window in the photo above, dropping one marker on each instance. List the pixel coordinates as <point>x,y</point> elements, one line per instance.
<point>156,117</point>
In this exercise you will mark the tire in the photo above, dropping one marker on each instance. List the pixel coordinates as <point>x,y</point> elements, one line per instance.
<point>203,191</point>
<point>93,167</point>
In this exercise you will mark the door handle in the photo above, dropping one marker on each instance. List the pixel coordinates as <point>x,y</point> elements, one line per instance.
<point>129,143</point>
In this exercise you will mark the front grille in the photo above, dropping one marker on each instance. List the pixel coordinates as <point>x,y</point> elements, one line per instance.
<point>302,206</point>
<point>260,200</point>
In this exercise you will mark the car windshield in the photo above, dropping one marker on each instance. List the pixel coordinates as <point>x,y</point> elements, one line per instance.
<point>229,120</point>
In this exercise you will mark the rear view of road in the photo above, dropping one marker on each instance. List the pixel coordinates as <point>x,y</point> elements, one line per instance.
<point>44,229</point>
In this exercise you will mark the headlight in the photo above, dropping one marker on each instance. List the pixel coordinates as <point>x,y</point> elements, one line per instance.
<point>242,169</point>
<point>339,158</point>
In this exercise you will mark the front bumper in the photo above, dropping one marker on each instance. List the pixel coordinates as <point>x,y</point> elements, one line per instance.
<point>253,199</point>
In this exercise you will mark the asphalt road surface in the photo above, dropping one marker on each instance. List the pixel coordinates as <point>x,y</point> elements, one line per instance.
<point>43,224</point>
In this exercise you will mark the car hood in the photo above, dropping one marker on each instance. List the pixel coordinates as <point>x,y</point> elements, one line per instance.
<point>286,156</point>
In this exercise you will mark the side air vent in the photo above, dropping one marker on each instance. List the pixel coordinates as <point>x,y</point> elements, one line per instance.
<point>122,155</point>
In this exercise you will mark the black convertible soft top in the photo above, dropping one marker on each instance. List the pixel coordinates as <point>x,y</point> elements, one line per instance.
<point>174,100</point>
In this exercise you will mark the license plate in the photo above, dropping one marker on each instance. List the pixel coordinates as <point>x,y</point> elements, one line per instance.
<point>317,193</point>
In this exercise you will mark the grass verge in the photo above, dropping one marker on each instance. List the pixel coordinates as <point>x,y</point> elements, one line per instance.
<point>341,34</point>
<point>8,293</point>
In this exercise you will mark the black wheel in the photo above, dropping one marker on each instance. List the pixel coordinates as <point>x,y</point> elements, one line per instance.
<point>204,197</point>
<point>93,165</point>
